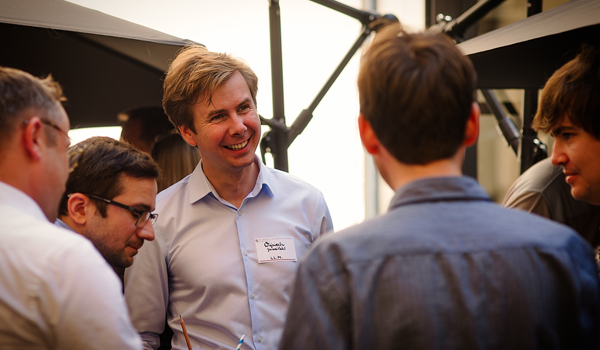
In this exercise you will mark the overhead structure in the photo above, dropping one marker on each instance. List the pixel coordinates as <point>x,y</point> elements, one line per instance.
<point>280,137</point>
<point>524,54</point>
<point>105,64</point>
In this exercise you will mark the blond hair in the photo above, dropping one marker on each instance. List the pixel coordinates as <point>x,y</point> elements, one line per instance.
<point>194,76</point>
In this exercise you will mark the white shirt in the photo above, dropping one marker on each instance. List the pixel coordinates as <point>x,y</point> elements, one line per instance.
<point>203,264</point>
<point>56,290</point>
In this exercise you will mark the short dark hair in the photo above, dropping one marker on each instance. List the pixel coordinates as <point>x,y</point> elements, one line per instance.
<point>416,90</point>
<point>194,76</point>
<point>573,91</point>
<point>20,92</point>
<point>100,164</point>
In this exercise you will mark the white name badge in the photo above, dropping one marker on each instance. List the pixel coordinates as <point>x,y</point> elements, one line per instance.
<point>275,249</point>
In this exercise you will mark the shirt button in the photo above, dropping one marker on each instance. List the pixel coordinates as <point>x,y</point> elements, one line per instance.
<point>253,295</point>
<point>259,339</point>
<point>239,213</point>
<point>245,252</point>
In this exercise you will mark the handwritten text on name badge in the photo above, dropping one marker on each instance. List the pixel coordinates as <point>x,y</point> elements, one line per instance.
<point>275,249</point>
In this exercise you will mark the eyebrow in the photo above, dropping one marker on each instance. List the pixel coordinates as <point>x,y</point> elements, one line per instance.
<point>143,206</point>
<point>561,129</point>
<point>219,111</point>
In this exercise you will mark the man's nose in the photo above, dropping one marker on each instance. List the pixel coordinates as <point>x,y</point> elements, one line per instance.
<point>147,231</point>
<point>237,126</point>
<point>558,155</point>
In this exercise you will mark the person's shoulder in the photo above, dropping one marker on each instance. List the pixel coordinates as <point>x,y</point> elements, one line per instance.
<point>488,227</point>
<point>538,177</point>
<point>525,228</point>
<point>47,245</point>
<point>30,228</point>
<point>62,240</point>
<point>173,191</point>
<point>350,239</point>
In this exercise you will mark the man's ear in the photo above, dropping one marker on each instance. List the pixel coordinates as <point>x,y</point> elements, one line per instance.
<point>77,207</point>
<point>32,138</point>
<point>367,135</point>
<point>472,127</point>
<point>187,133</point>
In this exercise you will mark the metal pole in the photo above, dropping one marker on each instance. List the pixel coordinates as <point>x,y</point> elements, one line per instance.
<point>530,101</point>
<point>306,115</point>
<point>507,127</point>
<point>279,137</point>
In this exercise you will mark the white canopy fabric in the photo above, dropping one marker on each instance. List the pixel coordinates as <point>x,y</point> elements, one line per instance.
<point>105,64</point>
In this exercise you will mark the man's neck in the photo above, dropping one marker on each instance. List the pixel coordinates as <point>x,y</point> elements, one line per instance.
<point>234,186</point>
<point>398,174</point>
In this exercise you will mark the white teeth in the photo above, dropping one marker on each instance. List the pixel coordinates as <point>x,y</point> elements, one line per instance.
<point>238,146</point>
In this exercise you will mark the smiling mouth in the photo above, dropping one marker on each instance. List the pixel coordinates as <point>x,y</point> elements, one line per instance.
<point>237,147</point>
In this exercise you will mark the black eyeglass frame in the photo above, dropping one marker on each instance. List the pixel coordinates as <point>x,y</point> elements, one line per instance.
<point>138,214</point>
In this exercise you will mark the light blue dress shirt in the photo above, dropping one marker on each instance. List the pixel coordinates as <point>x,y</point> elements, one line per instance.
<point>203,264</point>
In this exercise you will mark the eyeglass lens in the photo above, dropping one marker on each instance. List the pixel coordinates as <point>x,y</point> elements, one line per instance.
<point>144,217</point>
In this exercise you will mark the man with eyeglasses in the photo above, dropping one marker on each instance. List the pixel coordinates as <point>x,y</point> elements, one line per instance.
<point>109,198</point>
<point>56,291</point>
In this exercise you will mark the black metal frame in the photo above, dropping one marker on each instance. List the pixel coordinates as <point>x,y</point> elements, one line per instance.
<point>277,140</point>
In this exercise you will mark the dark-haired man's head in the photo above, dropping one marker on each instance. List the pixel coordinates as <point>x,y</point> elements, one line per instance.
<point>570,110</point>
<point>110,196</point>
<point>416,91</point>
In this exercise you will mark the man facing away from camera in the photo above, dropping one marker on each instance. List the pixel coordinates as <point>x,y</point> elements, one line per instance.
<point>109,198</point>
<point>56,290</point>
<point>445,267</point>
<point>229,235</point>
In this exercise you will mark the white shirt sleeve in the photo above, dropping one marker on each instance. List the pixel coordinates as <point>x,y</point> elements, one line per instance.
<point>82,300</point>
<point>147,291</point>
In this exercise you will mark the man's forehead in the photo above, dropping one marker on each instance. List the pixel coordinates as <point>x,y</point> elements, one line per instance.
<point>139,192</point>
<point>563,123</point>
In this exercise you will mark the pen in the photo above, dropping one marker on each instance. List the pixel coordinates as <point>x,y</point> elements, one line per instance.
<point>241,341</point>
<point>187,339</point>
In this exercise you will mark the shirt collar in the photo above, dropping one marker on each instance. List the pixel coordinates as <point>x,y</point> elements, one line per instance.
<point>200,187</point>
<point>62,224</point>
<point>460,188</point>
<point>20,200</point>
